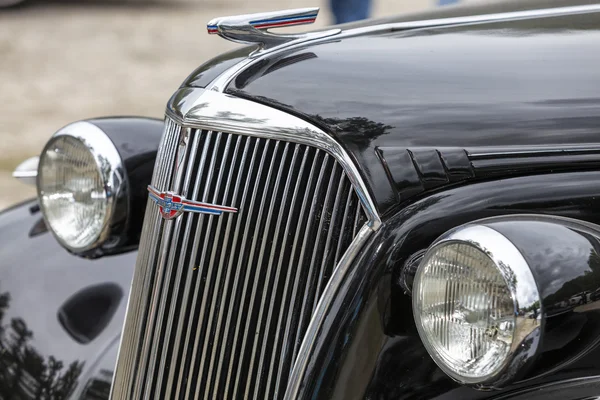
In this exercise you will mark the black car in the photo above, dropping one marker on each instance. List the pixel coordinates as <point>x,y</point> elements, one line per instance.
<point>394,209</point>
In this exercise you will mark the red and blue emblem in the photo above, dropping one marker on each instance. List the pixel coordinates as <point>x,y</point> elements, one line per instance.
<point>173,205</point>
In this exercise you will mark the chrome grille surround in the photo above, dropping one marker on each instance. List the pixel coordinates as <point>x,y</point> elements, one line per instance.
<point>202,125</point>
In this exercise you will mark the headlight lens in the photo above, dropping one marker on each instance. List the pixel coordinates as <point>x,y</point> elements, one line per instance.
<point>78,178</point>
<point>465,310</point>
<point>476,302</point>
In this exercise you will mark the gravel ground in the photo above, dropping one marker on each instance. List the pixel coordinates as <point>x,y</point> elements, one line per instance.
<point>64,61</point>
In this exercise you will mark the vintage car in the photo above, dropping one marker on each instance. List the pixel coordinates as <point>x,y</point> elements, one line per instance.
<point>392,209</point>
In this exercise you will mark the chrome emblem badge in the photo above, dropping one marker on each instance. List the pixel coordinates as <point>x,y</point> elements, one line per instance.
<point>173,205</point>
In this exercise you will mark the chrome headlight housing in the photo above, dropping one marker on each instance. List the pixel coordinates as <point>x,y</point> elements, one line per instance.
<point>476,303</point>
<point>82,187</point>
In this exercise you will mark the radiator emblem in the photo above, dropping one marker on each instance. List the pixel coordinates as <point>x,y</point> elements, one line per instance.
<point>173,205</point>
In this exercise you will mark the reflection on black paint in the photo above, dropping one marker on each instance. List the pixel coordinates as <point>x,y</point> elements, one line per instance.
<point>358,131</point>
<point>98,388</point>
<point>24,373</point>
<point>579,291</point>
<point>211,69</point>
<point>405,356</point>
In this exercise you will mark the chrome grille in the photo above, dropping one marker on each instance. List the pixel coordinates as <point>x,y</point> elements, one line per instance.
<point>219,304</point>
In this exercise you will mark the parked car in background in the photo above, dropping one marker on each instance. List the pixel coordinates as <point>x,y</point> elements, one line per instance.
<point>388,209</point>
<point>577,299</point>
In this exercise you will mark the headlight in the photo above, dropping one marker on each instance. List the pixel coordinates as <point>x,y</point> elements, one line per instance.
<point>471,294</point>
<point>80,179</point>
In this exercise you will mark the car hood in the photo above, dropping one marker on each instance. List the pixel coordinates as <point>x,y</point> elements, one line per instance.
<point>423,107</point>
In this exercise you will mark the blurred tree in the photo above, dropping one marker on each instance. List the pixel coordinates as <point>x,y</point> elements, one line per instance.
<point>24,373</point>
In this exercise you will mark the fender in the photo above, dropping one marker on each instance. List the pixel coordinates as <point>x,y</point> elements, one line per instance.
<point>370,325</point>
<point>47,332</point>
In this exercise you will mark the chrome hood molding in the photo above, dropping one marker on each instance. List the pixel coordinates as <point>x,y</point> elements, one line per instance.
<point>194,107</point>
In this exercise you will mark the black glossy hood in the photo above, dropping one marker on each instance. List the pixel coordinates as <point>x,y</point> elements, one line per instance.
<point>419,109</point>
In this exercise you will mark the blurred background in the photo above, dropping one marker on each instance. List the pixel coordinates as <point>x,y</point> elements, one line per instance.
<point>62,61</point>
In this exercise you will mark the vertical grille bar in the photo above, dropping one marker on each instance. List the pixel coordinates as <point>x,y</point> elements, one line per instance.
<point>228,295</point>
<point>202,285</point>
<point>286,339</point>
<point>210,271</point>
<point>187,264</point>
<point>163,272</point>
<point>251,270</point>
<point>220,304</point>
<point>288,227</point>
<point>195,142</point>
<point>268,292</point>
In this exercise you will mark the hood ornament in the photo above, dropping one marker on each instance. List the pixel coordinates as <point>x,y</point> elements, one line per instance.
<point>252,28</point>
<point>173,205</point>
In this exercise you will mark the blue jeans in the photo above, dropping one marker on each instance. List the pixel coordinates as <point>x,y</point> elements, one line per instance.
<point>350,10</point>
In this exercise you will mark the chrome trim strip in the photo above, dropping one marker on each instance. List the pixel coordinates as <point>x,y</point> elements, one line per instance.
<point>222,81</point>
<point>338,250</point>
<point>479,153</point>
<point>356,220</point>
<point>477,19</point>
<point>206,109</point>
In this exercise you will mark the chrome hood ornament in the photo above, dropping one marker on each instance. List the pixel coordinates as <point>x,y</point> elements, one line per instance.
<point>173,205</point>
<point>252,28</point>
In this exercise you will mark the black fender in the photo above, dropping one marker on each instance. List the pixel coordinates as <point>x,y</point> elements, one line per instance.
<point>60,315</point>
<point>368,345</point>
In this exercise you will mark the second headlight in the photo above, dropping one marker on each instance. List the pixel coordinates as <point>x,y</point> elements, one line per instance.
<point>473,300</point>
<point>80,180</point>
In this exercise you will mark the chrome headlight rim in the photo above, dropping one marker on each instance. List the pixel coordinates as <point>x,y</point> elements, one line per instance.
<point>111,170</point>
<point>511,263</point>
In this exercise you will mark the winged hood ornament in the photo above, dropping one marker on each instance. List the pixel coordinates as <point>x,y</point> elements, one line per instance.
<point>253,28</point>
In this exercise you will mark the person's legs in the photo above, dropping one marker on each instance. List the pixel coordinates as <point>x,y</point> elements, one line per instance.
<point>447,2</point>
<point>350,10</point>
